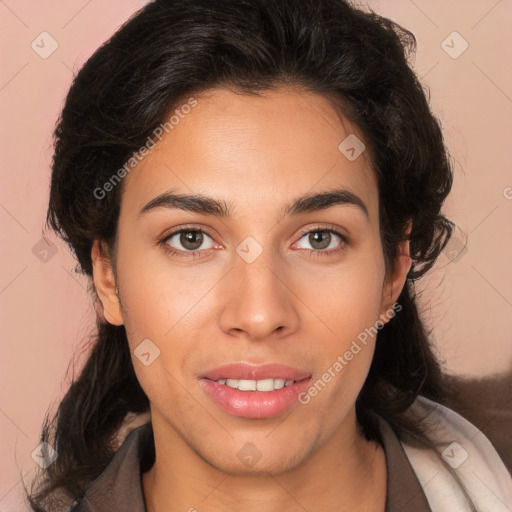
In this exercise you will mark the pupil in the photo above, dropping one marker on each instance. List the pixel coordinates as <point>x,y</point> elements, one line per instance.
<point>188,237</point>
<point>324,239</point>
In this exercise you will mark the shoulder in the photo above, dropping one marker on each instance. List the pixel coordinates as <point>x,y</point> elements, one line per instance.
<point>487,403</point>
<point>461,463</point>
<point>119,486</point>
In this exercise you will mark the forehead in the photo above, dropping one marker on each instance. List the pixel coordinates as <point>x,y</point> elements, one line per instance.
<point>253,149</point>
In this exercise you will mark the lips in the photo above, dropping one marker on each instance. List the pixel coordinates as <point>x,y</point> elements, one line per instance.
<point>246,371</point>
<point>254,404</point>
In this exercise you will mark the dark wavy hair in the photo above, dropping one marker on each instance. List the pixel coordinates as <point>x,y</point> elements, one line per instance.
<point>172,49</point>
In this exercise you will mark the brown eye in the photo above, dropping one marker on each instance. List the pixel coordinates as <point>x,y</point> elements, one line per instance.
<point>322,239</point>
<point>189,240</point>
<point>319,239</point>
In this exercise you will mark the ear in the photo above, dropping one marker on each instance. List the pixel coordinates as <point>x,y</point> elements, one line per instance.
<point>105,284</point>
<point>395,282</point>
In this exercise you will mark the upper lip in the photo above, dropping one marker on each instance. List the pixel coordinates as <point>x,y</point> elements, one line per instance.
<point>249,371</point>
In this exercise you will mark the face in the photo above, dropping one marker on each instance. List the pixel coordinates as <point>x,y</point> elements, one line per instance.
<point>266,284</point>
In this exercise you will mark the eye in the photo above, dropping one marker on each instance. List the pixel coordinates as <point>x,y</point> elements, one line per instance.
<point>190,240</point>
<point>324,240</point>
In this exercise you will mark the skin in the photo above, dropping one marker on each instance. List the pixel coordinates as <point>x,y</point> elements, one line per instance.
<point>296,306</point>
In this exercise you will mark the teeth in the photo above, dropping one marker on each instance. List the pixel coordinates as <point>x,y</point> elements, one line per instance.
<point>278,383</point>
<point>256,385</point>
<point>247,385</point>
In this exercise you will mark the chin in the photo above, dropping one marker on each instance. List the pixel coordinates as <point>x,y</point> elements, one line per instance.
<point>247,461</point>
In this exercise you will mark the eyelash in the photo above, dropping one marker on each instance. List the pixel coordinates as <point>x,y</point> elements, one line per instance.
<point>197,254</point>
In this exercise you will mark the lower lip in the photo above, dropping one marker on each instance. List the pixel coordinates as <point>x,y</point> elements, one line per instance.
<point>254,404</point>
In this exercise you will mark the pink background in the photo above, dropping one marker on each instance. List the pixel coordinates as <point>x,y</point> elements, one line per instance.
<point>46,313</point>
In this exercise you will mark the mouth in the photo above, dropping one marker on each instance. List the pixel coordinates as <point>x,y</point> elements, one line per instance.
<point>262,385</point>
<point>250,391</point>
<point>242,371</point>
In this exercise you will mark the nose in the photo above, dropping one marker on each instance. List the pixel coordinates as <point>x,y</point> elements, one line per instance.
<point>258,301</point>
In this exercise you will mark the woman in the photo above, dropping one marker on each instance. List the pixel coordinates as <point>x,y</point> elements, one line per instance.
<point>253,187</point>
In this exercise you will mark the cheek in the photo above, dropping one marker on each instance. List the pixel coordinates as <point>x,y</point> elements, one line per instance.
<point>348,304</point>
<point>347,298</point>
<point>152,292</point>
<point>161,303</point>
<point>350,312</point>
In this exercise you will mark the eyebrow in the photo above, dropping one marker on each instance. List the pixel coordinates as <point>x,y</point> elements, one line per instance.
<point>210,206</point>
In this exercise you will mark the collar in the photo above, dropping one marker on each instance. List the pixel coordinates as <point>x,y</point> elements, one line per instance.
<point>119,486</point>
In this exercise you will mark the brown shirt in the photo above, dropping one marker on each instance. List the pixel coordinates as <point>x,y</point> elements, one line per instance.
<point>119,487</point>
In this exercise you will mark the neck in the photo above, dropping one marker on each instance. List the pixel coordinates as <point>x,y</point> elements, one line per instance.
<point>347,473</point>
